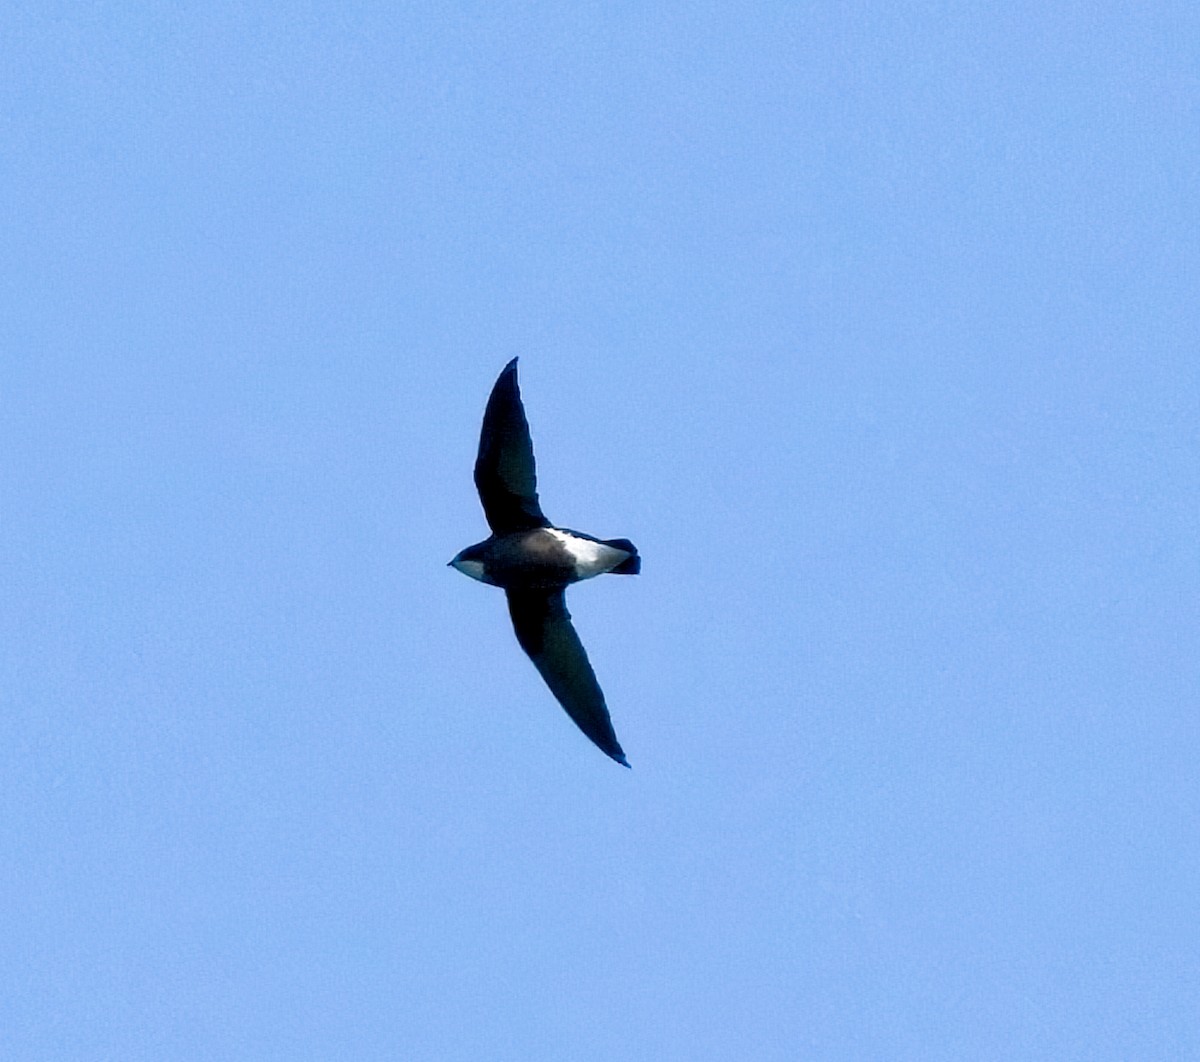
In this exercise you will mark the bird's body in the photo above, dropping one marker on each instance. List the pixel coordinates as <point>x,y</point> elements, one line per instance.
<point>535,562</point>
<point>541,558</point>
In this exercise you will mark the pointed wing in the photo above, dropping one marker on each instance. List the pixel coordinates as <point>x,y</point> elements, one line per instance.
<point>544,629</point>
<point>505,475</point>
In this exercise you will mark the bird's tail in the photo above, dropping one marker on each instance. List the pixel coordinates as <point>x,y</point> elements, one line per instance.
<point>632,564</point>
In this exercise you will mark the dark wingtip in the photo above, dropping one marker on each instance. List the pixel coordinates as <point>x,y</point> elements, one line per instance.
<point>622,760</point>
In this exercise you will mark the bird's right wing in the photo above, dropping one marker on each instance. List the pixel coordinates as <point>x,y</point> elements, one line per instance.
<point>544,629</point>
<point>505,474</point>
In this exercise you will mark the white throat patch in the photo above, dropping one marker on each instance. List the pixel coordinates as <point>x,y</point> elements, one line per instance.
<point>473,568</point>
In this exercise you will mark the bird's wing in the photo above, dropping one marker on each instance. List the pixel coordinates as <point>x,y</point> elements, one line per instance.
<point>505,475</point>
<point>544,629</point>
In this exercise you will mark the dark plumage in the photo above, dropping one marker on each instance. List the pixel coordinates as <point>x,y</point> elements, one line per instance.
<point>535,562</point>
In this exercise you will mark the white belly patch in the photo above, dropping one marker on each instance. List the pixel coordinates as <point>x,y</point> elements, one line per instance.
<point>591,558</point>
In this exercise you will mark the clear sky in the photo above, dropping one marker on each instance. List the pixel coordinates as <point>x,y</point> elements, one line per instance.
<point>874,325</point>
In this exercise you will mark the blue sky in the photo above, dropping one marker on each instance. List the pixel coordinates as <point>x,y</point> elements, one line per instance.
<point>873,325</point>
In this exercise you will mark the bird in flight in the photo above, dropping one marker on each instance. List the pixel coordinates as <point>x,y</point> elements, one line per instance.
<point>535,562</point>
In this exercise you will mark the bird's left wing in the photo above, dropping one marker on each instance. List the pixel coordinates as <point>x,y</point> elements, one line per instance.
<point>544,629</point>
